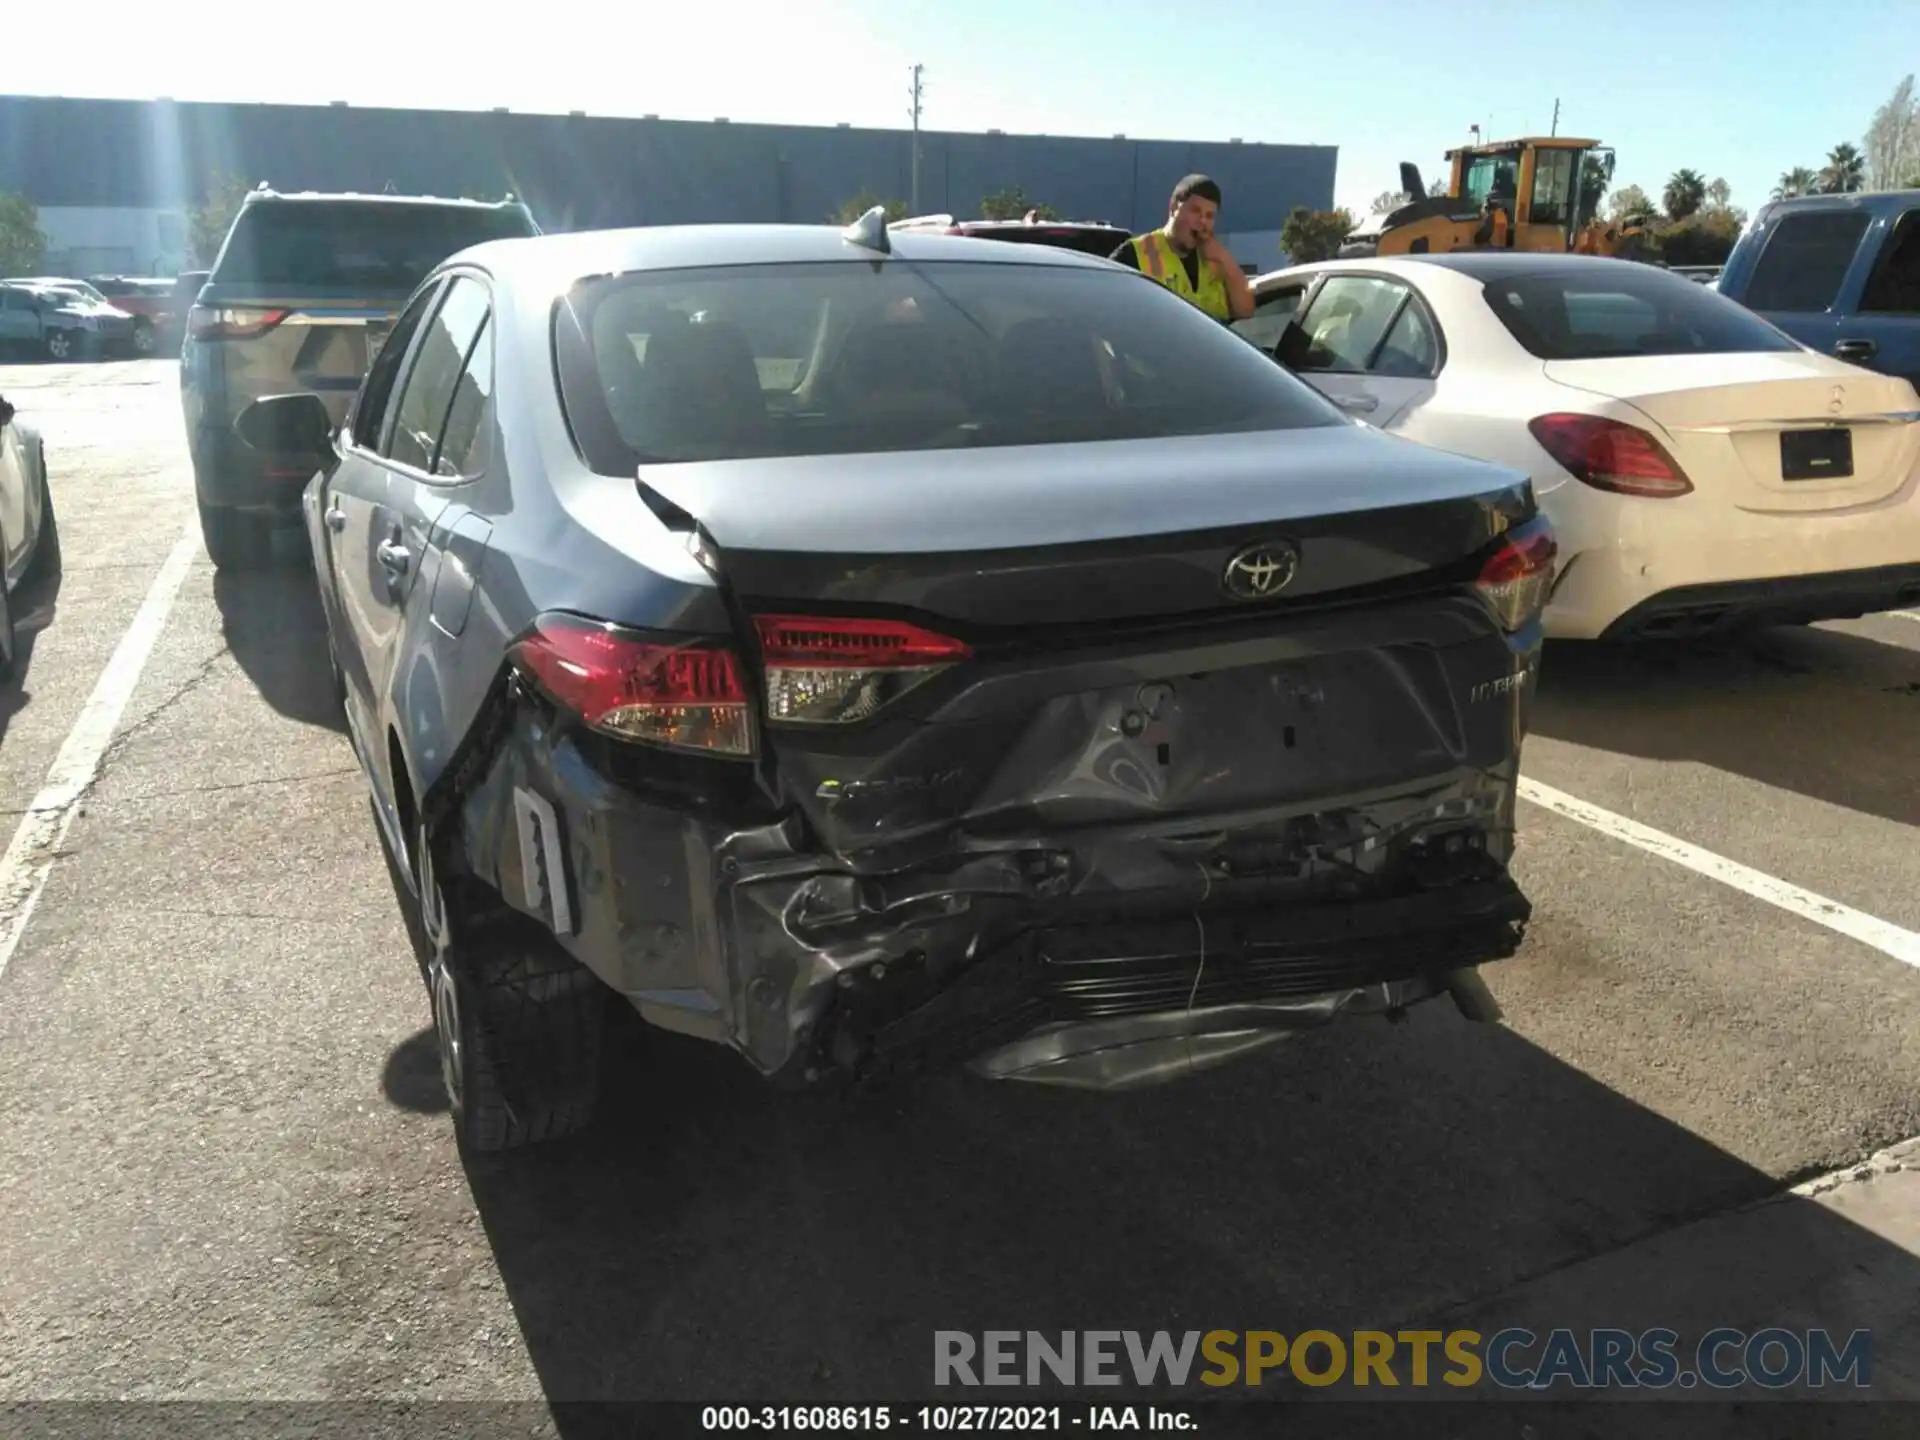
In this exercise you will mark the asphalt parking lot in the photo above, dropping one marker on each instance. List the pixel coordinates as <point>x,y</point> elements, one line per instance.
<point>225,1170</point>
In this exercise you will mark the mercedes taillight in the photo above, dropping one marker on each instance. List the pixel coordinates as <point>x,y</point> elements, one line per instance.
<point>1611,455</point>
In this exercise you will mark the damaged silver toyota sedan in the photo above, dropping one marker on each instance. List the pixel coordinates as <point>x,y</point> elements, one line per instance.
<point>873,652</point>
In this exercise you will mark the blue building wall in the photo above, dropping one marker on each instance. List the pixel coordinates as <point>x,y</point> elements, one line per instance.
<point>584,171</point>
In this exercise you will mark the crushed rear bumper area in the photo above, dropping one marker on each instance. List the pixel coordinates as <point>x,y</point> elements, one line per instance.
<point>1698,611</point>
<point>1107,956</point>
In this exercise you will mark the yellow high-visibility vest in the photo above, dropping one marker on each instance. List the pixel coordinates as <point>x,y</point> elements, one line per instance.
<point>1158,259</point>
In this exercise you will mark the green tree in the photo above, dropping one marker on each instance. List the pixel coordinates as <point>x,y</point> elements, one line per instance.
<point>1596,174</point>
<point>1686,192</point>
<point>209,224</point>
<point>1845,171</point>
<point>852,209</point>
<point>1314,234</point>
<point>1627,202</point>
<point>1719,194</point>
<point>1012,204</point>
<point>1704,238</point>
<point>22,242</point>
<point>1797,181</point>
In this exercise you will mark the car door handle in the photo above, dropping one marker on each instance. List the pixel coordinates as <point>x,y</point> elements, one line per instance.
<point>1855,349</point>
<point>1359,404</point>
<point>395,556</point>
<point>336,518</point>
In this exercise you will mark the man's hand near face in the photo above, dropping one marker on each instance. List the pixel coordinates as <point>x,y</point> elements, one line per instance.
<point>1239,292</point>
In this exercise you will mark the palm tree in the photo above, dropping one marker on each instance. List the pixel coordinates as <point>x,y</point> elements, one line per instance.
<point>1686,192</point>
<point>1845,171</point>
<point>1797,181</point>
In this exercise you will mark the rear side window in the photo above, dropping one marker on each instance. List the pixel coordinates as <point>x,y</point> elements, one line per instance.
<point>848,357</point>
<point>1605,311</point>
<point>1805,260</point>
<point>360,246</point>
<point>1894,288</point>
<point>427,391</point>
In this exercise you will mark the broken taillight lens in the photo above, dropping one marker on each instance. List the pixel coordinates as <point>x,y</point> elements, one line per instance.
<point>1516,581</point>
<point>668,690</point>
<point>1611,455</point>
<point>836,671</point>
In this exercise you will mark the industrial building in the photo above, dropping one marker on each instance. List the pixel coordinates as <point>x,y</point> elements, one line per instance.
<point>115,180</point>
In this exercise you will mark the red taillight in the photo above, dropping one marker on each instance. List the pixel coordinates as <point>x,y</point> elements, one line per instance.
<point>661,690</point>
<point>1516,581</point>
<point>835,671</point>
<point>1611,455</point>
<point>231,322</point>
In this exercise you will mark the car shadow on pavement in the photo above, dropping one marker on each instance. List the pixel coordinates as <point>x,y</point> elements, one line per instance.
<point>714,1240</point>
<point>35,605</point>
<point>1795,708</point>
<point>276,628</point>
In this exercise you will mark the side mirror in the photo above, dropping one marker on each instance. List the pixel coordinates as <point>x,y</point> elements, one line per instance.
<point>6,413</point>
<point>287,425</point>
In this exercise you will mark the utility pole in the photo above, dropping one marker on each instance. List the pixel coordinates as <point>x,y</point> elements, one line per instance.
<point>1556,116</point>
<point>914,205</point>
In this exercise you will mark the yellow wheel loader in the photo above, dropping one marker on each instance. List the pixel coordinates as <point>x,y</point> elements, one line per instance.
<point>1531,194</point>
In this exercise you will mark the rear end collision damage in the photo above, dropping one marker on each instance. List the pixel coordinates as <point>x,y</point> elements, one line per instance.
<point>855,846</point>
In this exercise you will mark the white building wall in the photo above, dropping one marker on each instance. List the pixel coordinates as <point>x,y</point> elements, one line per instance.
<point>113,240</point>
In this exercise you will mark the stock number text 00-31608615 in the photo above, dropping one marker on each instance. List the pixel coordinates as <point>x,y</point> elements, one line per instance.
<point>983,1419</point>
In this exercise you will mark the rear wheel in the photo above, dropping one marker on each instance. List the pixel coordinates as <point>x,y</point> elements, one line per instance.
<point>236,539</point>
<point>145,342</point>
<point>518,1021</point>
<point>60,344</point>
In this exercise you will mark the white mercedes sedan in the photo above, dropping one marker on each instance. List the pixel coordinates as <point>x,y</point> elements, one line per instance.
<point>1703,470</point>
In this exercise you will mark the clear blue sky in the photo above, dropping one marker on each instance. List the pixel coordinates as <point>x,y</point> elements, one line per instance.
<point>1741,91</point>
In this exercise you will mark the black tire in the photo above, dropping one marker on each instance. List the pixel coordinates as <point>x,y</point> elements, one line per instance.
<point>518,1022</point>
<point>61,345</point>
<point>46,553</point>
<point>236,539</point>
<point>145,340</point>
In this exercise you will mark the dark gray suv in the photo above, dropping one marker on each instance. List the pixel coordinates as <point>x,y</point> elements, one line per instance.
<point>299,299</point>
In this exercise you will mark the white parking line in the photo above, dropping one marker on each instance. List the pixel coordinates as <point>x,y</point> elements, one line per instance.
<point>1902,945</point>
<point>29,858</point>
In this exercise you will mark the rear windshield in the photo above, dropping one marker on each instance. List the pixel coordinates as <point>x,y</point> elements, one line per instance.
<point>1088,242</point>
<point>1630,310</point>
<point>851,357</point>
<point>355,246</point>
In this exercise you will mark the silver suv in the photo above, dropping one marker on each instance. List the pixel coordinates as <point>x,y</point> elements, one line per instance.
<point>299,299</point>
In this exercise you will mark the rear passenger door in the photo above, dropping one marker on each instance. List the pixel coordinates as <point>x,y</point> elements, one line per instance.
<point>1883,332</point>
<point>1371,346</point>
<point>390,560</point>
<point>1804,263</point>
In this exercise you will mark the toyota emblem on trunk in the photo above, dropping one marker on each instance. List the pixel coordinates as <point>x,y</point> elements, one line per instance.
<point>1261,570</point>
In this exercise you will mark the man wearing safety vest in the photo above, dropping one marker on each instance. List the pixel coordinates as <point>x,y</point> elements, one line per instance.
<point>1184,255</point>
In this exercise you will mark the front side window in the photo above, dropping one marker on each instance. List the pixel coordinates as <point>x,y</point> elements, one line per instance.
<point>1495,175</point>
<point>849,357</point>
<point>1894,288</point>
<point>370,407</point>
<point>1271,312</point>
<point>426,393</point>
